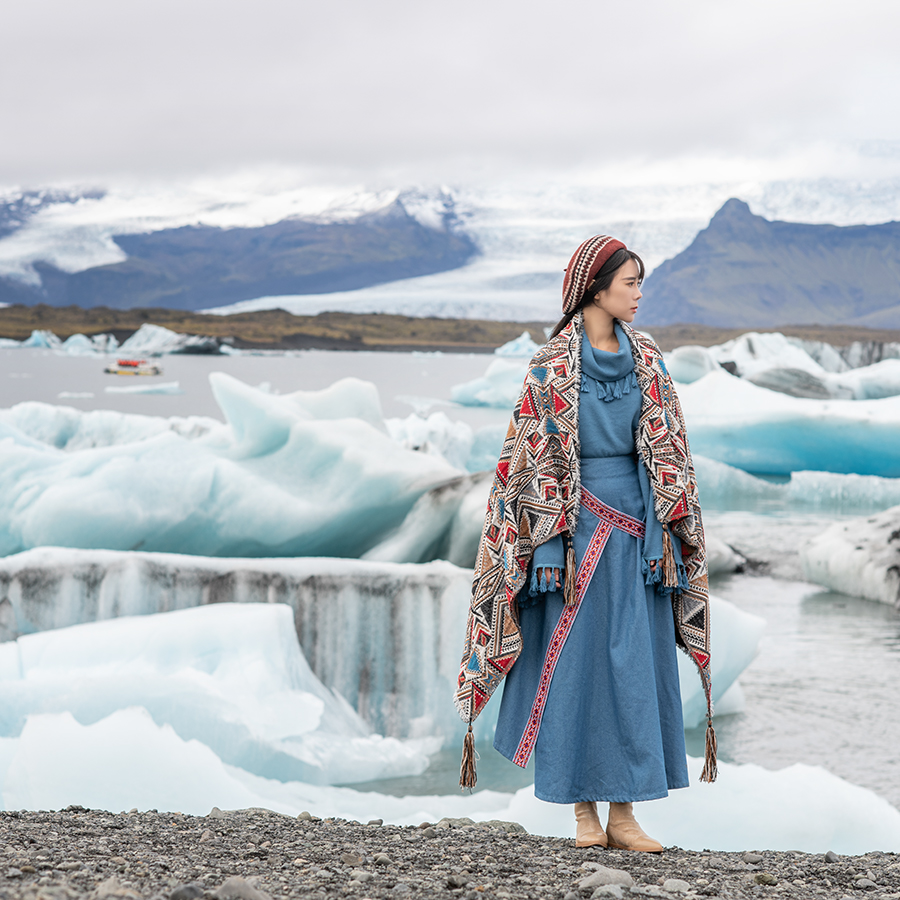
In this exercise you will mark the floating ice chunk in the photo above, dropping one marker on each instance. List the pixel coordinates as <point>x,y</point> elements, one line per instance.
<point>486,446</point>
<point>754,352</point>
<point>155,340</point>
<point>860,557</point>
<point>720,558</point>
<point>44,339</point>
<point>500,385</point>
<point>445,523</point>
<point>842,493</point>
<point>437,435</point>
<point>523,345</point>
<point>725,487</point>
<point>800,383</point>
<point>882,379</point>
<point>67,428</point>
<point>736,422</point>
<point>688,363</point>
<point>873,382</point>
<point>79,345</point>
<point>387,637</point>
<point>826,355</point>
<point>229,675</point>
<point>75,395</point>
<point>348,398</point>
<point>734,640</point>
<point>93,345</point>
<point>274,481</point>
<point>866,353</point>
<point>169,387</point>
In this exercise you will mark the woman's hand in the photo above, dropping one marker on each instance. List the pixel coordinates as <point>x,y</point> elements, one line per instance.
<point>550,573</point>
<point>652,564</point>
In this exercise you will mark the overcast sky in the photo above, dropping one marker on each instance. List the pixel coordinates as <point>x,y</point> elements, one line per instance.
<point>101,88</point>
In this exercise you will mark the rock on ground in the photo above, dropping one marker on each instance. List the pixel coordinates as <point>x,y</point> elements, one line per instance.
<point>261,855</point>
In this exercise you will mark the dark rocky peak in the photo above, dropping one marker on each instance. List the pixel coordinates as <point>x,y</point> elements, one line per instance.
<point>735,222</point>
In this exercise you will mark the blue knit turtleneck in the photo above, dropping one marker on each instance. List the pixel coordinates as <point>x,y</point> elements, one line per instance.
<point>611,375</point>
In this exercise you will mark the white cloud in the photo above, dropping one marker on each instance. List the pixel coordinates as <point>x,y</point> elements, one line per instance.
<point>169,86</point>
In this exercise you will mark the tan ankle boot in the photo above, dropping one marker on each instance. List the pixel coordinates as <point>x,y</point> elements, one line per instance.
<point>624,833</point>
<point>588,830</point>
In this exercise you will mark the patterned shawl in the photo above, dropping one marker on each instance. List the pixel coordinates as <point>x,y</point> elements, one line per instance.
<point>536,494</point>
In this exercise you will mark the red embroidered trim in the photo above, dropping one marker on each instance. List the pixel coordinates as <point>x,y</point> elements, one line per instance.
<point>620,520</point>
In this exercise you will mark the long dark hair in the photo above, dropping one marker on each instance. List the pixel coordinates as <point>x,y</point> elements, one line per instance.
<point>601,282</point>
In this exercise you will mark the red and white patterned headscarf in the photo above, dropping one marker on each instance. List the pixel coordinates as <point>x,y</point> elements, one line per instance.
<point>584,265</point>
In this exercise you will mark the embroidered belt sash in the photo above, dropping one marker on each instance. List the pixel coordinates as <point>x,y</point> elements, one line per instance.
<point>609,519</point>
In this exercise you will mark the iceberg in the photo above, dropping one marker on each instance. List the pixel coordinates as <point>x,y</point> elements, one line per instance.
<point>689,363</point>
<point>733,421</point>
<point>155,340</point>
<point>385,636</point>
<point>89,345</point>
<point>859,557</point>
<point>45,340</point>
<point>793,366</point>
<point>303,474</point>
<point>754,352</point>
<point>165,388</point>
<point>724,487</point>
<point>523,345</point>
<point>445,523</point>
<point>436,435</point>
<point>66,428</point>
<point>873,382</point>
<point>499,387</point>
<point>229,676</point>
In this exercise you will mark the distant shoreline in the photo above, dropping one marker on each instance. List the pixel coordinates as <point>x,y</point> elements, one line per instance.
<point>276,329</point>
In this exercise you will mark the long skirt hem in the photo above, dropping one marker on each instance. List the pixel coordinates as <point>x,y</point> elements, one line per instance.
<point>609,721</point>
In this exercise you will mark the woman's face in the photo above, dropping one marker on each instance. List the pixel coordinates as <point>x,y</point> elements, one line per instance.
<point>620,299</point>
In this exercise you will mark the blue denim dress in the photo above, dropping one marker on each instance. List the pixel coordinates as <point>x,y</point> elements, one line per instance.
<point>609,722</point>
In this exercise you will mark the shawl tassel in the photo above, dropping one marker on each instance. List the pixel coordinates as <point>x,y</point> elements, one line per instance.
<point>670,568</point>
<point>710,768</point>
<point>467,774</point>
<point>571,574</point>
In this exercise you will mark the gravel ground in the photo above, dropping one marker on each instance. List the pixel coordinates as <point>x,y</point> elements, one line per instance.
<point>257,854</point>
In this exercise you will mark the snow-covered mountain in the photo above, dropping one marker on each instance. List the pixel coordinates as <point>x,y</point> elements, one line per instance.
<point>524,233</point>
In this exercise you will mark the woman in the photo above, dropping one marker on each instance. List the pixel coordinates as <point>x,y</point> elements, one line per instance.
<point>592,566</point>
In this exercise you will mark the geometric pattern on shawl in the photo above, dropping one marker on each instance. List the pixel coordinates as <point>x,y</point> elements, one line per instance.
<point>536,494</point>
<point>662,443</point>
